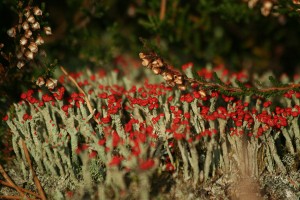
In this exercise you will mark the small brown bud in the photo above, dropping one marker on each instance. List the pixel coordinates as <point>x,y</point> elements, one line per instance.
<point>29,55</point>
<point>156,70</point>
<point>145,62</point>
<point>23,41</point>
<point>20,64</point>
<point>27,13</point>
<point>39,40</point>
<point>154,62</point>
<point>40,81</point>
<point>19,54</point>
<point>1,45</point>
<point>167,76</point>
<point>31,19</point>
<point>171,83</point>
<point>159,62</point>
<point>47,30</point>
<point>178,79</point>
<point>25,26</point>
<point>35,26</point>
<point>266,8</point>
<point>33,47</point>
<point>142,55</point>
<point>37,11</point>
<point>23,49</point>
<point>51,83</point>
<point>28,33</point>
<point>252,3</point>
<point>11,32</point>
<point>182,87</point>
<point>202,93</point>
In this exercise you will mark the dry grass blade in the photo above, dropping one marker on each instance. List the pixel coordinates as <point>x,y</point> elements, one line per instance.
<point>36,180</point>
<point>88,103</point>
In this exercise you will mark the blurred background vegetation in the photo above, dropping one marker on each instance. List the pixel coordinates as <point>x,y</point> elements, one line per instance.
<point>255,35</point>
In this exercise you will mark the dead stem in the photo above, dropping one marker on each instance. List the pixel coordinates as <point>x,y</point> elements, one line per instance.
<point>12,184</point>
<point>235,89</point>
<point>10,197</point>
<point>22,189</point>
<point>35,178</point>
<point>163,5</point>
<point>88,103</point>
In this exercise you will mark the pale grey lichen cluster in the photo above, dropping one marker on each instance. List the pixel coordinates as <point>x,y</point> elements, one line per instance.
<point>54,138</point>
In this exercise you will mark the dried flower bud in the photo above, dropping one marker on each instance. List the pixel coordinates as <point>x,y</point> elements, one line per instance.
<point>40,81</point>
<point>33,47</point>
<point>181,87</point>
<point>37,11</point>
<point>1,45</point>
<point>178,79</point>
<point>156,70</point>
<point>19,54</point>
<point>159,62</point>
<point>27,13</point>
<point>23,49</point>
<point>167,76</point>
<point>47,30</point>
<point>51,83</point>
<point>29,55</point>
<point>266,8</point>
<point>11,32</point>
<point>252,3</point>
<point>142,55</point>
<point>154,62</point>
<point>20,64</point>
<point>28,33</point>
<point>25,26</point>
<point>171,83</point>
<point>39,40</point>
<point>43,53</point>
<point>31,19</point>
<point>145,62</point>
<point>202,93</point>
<point>35,26</point>
<point>23,41</point>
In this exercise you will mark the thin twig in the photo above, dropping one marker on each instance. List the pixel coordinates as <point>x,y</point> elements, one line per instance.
<point>22,189</point>
<point>13,185</point>
<point>10,197</point>
<point>35,178</point>
<point>163,5</point>
<point>175,77</point>
<point>235,89</point>
<point>88,103</point>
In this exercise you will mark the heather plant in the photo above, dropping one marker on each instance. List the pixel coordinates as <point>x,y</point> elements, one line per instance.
<point>137,133</point>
